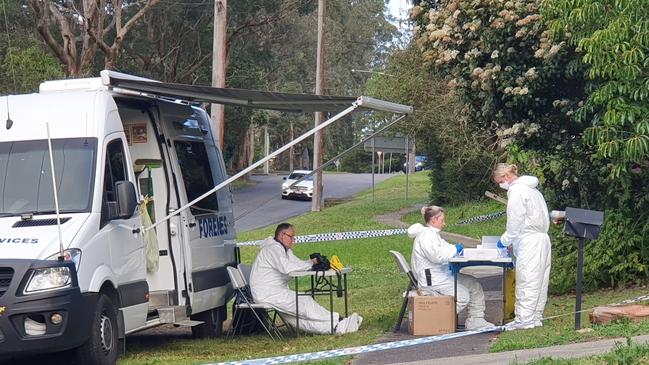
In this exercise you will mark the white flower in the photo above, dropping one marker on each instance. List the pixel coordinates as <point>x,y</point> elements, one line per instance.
<point>495,54</point>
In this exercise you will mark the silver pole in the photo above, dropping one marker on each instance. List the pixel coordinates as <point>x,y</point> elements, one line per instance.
<point>407,164</point>
<point>345,152</point>
<point>373,152</point>
<point>56,195</point>
<point>255,165</point>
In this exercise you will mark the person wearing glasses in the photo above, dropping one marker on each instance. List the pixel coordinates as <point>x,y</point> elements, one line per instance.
<point>430,258</point>
<point>269,283</point>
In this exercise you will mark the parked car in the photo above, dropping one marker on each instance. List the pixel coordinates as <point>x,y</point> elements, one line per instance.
<point>303,189</point>
<point>420,163</point>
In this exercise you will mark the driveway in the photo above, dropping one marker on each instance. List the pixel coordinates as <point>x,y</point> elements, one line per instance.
<point>260,205</point>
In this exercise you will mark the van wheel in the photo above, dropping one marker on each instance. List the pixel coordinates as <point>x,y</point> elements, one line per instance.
<point>212,323</point>
<point>102,345</point>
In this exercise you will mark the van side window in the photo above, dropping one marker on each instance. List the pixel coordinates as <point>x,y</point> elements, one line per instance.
<point>197,176</point>
<point>114,171</point>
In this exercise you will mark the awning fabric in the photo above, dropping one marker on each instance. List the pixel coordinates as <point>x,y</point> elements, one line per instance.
<point>305,103</point>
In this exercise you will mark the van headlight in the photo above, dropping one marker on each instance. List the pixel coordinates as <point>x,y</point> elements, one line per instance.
<point>48,278</point>
<point>71,254</point>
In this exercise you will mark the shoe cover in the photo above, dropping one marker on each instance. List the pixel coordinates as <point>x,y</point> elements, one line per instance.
<point>476,323</point>
<point>518,326</point>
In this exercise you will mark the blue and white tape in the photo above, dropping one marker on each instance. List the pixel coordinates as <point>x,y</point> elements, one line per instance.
<point>480,218</point>
<point>354,235</point>
<point>356,350</point>
<point>336,236</point>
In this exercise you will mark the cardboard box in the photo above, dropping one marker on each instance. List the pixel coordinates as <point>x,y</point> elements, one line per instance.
<point>431,315</point>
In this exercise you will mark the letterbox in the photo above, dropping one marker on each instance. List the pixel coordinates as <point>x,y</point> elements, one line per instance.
<point>583,223</point>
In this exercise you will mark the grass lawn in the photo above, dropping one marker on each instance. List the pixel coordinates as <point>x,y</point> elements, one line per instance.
<point>375,285</point>
<point>561,330</point>
<point>622,354</point>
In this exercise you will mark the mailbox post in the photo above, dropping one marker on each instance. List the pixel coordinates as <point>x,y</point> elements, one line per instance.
<point>583,224</point>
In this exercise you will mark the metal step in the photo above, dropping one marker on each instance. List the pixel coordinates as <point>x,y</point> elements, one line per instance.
<point>188,323</point>
<point>172,314</point>
<point>162,298</point>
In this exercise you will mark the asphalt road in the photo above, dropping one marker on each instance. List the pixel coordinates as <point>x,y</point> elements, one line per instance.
<point>261,204</point>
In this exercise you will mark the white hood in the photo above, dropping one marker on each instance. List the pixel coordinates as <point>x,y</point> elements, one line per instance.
<point>38,241</point>
<point>527,180</point>
<point>415,229</point>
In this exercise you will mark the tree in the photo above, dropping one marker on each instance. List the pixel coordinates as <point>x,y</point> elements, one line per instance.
<point>24,63</point>
<point>75,30</point>
<point>613,37</point>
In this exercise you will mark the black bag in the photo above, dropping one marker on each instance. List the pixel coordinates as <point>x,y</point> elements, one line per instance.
<point>322,262</point>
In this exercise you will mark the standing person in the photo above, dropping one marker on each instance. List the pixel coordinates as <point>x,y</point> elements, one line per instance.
<point>269,283</point>
<point>527,231</point>
<point>430,257</point>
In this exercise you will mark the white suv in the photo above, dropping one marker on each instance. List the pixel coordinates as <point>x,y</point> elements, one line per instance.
<point>303,189</point>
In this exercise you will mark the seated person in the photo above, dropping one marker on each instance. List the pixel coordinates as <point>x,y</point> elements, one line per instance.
<point>430,257</point>
<point>269,283</point>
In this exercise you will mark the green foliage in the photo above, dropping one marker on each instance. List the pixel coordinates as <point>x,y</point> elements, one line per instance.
<point>618,257</point>
<point>496,55</point>
<point>25,68</point>
<point>613,37</point>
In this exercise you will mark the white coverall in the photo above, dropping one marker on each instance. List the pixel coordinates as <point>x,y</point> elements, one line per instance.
<point>430,258</point>
<point>269,282</point>
<point>527,230</point>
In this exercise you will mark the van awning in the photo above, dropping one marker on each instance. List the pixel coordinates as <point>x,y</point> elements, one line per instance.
<point>301,103</point>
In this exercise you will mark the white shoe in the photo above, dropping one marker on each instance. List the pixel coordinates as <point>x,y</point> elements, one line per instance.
<point>343,326</point>
<point>354,322</point>
<point>538,323</point>
<point>519,326</point>
<point>477,323</point>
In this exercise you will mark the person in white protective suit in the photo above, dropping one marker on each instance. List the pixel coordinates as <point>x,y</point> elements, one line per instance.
<point>430,259</point>
<point>527,231</point>
<point>269,283</point>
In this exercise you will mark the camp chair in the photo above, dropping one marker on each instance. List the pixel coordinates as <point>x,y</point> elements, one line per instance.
<point>412,284</point>
<point>240,286</point>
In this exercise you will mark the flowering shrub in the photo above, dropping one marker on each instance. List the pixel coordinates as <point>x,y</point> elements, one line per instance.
<point>497,56</point>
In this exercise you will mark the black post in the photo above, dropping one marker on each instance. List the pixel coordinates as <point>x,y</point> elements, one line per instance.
<point>580,278</point>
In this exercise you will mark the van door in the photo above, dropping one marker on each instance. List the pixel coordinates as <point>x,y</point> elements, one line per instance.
<point>207,224</point>
<point>126,247</point>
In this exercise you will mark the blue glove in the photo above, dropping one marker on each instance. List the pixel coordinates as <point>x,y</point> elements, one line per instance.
<point>502,249</point>
<point>460,248</point>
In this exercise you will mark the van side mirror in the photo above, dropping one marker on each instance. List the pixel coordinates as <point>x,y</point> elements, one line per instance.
<point>126,200</point>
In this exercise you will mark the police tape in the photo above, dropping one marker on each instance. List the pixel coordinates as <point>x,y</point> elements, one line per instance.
<point>480,218</point>
<point>358,349</point>
<point>354,235</point>
<point>336,236</point>
<point>395,344</point>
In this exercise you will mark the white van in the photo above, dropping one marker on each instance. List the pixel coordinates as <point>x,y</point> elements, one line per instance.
<point>86,277</point>
<point>109,149</point>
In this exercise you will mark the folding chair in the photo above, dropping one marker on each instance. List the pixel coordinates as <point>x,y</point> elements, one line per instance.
<point>412,284</point>
<point>245,271</point>
<point>240,286</point>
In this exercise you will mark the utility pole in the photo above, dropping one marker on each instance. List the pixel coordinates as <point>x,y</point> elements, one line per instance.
<point>219,51</point>
<point>290,150</point>
<point>316,201</point>
<point>266,150</point>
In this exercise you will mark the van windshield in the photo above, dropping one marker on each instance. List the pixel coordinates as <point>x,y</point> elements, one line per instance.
<point>26,179</point>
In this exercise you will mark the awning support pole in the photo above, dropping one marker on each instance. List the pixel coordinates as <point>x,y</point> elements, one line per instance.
<point>255,165</point>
